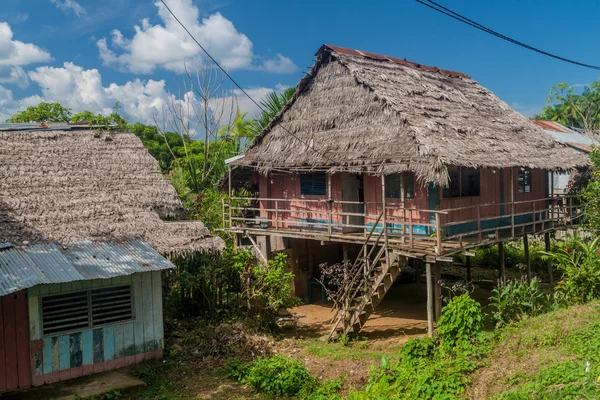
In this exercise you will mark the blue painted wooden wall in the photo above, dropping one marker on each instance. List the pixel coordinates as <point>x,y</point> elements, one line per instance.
<point>99,346</point>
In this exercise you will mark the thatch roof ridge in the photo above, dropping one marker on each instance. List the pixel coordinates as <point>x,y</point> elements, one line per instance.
<point>441,118</point>
<point>60,186</point>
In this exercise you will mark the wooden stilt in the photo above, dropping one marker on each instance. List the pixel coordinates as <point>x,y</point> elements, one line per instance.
<point>429,286</point>
<point>469,269</point>
<point>547,248</point>
<point>345,254</point>
<point>527,258</point>
<point>437,276</point>
<point>501,269</point>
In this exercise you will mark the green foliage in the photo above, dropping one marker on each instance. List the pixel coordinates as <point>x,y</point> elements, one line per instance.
<point>460,324</point>
<point>439,378</point>
<point>590,195</point>
<point>267,287</point>
<point>419,349</point>
<point>272,105</point>
<point>43,112</point>
<point>513,300</point>
<point>572,109</point>
<point>240,132</point>
<point>274,376</point>
<point>579,263</point>
<point>327,390</point>
<point>117,122</point>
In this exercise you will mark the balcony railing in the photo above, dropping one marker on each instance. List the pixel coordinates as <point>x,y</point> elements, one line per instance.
<point>444,230</point>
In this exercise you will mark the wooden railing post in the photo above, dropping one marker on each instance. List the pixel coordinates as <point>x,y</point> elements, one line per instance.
<point>410,230</point>
<point>570,210</point>
<point>329,205</point>
<point>438,233</point>
<point>534,217</point>
<point>385,230</point>
<point>479,223</point>
<point>276,215</point>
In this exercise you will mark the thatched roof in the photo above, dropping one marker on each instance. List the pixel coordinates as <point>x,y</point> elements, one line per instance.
<point>363,112</point>
<point>61,186</point>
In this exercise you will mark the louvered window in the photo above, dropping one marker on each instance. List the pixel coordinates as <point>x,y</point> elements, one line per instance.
<point>314,184</point>
<point>85,309</point>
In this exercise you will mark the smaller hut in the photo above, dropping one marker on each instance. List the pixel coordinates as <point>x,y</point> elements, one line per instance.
<point>86,220</point>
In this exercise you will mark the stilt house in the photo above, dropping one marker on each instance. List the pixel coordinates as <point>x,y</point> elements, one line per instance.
<point>83,235</point>
<point>381,160</point>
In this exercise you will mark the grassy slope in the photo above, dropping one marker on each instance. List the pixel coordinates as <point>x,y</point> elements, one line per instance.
<point>544,357</point>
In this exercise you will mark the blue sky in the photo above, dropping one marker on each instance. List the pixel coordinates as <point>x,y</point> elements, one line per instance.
<point>88,54</point>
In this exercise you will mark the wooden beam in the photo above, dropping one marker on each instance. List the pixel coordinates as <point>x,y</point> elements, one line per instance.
<point>257,247</point>
<point>429,285</point>
<point>549,262</point>
<point>501,269</point>
<point>468,269</point>
<point>230,187</point>
<point>527,258</point>
<point>385,230</point>
<point>437,276</point>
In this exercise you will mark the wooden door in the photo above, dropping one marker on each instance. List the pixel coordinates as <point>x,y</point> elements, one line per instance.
<point>15,366</point>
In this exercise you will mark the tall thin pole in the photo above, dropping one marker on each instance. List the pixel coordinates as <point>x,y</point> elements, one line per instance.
<point>527,258</point>
<point>385,230</point>
<point>429,285</point>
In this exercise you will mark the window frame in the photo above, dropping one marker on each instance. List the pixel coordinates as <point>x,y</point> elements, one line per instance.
<point>90,324</point>
<point>446,190</point>
<point>402,180</point>
<point>524,172</point>
<point>312,176</point>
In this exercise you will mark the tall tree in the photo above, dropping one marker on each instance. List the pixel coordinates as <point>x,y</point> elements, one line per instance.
<point>43,112</point>
<point>573,109</point>
<point>240,132</point>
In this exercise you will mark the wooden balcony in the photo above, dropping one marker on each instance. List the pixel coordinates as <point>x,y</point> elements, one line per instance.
<point>421,233</point>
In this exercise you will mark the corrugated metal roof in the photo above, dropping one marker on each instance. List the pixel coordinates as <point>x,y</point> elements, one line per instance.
<point>570,137</point>
<point>50,126</point>
<point>26,266</point>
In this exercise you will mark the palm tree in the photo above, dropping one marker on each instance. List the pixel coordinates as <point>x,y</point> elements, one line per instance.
<point>271,107</point>
<point>241,129</point>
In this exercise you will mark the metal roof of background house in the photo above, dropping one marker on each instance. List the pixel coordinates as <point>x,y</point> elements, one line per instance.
<point>22,267</point>
<point>570,137</point>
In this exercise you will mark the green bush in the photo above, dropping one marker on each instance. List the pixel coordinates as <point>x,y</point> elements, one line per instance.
<point>273,376</point>
<point>514,300</point>
<point>460,324</point>
<point>418,348</point>
<point>579,263</point>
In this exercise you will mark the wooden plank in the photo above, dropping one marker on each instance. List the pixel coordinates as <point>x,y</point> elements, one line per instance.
<point>44,289</point>
<point>139,314</point>
<point>75,350</point>
<point>2,353</point>
<point>22,344</point>
<point>55,354</point>
<point>10,340</point>
<point>98,346</point>
<point>157,306</point>
<point>148,312</point>
<point>109,343</point>
<point>64,350</point>
<point>35,317</point>
<point>119,341</point>
<point>66,287</point>
<point>128,339</point>
<point>87,347</point>
<point>47,355</point>
<point>437,290</point>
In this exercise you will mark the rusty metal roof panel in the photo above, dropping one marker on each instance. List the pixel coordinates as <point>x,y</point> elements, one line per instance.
<point>22,267</point>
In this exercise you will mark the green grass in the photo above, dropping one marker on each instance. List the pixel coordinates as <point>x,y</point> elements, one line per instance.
<point>354,350</point>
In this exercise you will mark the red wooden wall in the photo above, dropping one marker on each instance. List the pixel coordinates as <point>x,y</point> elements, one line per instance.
<point>15,369</point>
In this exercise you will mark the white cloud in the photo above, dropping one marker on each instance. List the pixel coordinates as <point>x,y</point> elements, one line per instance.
<point>15,53</point>
<point>82,89</point>
<point>14,75</point>
<point>280,65</point>
<point>70,6</point>
<point>166,45</point>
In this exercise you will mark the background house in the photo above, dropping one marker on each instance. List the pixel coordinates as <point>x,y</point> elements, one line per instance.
<point>83,224</point>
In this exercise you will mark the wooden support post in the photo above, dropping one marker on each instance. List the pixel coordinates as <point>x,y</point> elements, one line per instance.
<point>512,202</point>
<point>479,223</point>
<point>410,230</point>
<point>547,248</point>
<point>329,206</point>
<point>437,276</point>
<point>527,258</point>
<point>552,198</point>
<point>385,230</point>
<point>345,254</point>
<point>570,210</point>
<point>429,285</point>
<point>230,191</point>
<point>468,269</point>
<point>501,270</point>
<point>223,204</point>
<point>534,217</point>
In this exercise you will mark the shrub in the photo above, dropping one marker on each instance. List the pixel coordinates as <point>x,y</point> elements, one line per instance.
<point>418,348</point>
<point>516,299</point>
<point>460,324</point>
<point>579,263</point>
<point>273,376</point>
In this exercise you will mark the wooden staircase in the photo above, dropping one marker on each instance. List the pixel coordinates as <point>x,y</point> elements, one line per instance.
<point>372,279</point>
